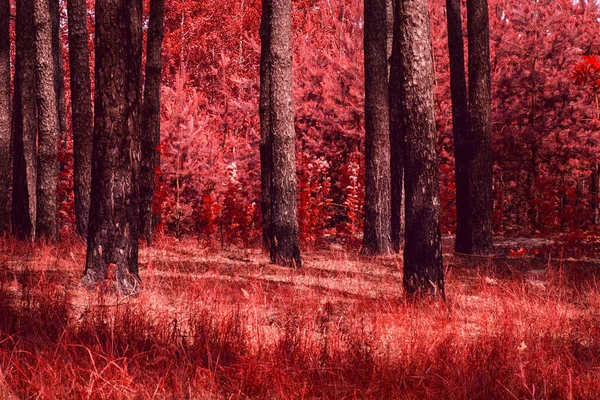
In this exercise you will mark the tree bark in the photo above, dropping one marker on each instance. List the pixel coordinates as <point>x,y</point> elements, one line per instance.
<point>24,125</point>
<point>5,166</point>
<point>151,117</point>
<point>461,126</point>
<point>423,269</point>
<point>59,67</point>
<point>266,155</point>
<point>283,191</point>
<point>377,231</point>
<point>396,139</point>
<point>480,194</point>
<point>113,231</point>
<point>81,110</point>
<point>47,117</point>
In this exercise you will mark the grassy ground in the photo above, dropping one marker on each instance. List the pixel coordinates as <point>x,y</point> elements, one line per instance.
<point>229,325</point>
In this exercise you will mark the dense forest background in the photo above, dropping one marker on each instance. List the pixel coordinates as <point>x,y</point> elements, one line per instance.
<point>545,120</point>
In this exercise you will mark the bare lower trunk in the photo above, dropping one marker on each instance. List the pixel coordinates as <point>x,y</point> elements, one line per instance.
<point>114,210</point>
<point>151,118</point>
<point>24,125</point>
<point>284,220</point>
<point>376,240</point>
<point>480,193</point>
<point>423,270</point>
<point>48,125</point>
<point>81,106</point>
<point>5,158</point>
<point>266,155</point>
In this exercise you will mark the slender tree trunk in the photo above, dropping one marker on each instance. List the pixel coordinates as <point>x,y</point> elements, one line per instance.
<point>5,158</point>
<point>81,108</point>
<point>284,212</point>
<point>396,140</point>
<point>151,117</point>
<point>594,193</point>
<point>481,199</point>
<point>266,155</point>
<point>377,230</point>
<point>423,269</point>
<point>59,68</point>
<point>113,230</point>
<point>462,127</point>
<point>47,157</point>
<point>24,125</point>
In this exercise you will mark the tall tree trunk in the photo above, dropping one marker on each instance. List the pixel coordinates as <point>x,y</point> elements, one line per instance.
<point>396,139</point>
<point>59,68</point>
<point>81,110</point>
<point>594,193</point>
<point>377,231</point>
<point>5,167</point>
<point>266,155</point>
<point>423,269</point>
<point>24,125</point>
<point>284,213</point>
<point>113,230</point>
<point>47,161</point>
<point>151,117</point>
<point>480,194</point>
<point>463,136</point>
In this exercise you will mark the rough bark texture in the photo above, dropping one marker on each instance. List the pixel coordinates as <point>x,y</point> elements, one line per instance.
<point>24,125</point>
<point>266,156</point>
<point>283,188</point>
<point>47,117</point>
<point>151,117</point>
<point>5,165</point>
<point>461,125</point>
<point>423,270</point>
<point>59,67</point>
<point>81,109</point>
<point>376,239</point>
<point>114,210</point>
<point>396,141</point>
<point>480,194</point>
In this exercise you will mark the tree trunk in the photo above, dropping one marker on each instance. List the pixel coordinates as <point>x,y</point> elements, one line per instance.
<point>113,231</point>
<point>81,107</point>
<point>59,67</point>
<point>377,231</point>
<point>423,269</point>
<point>24,125</point>
<point>5,167</point>
<point>47,157</point>
<point>594,193</point>
<point>284,213</point>
<point>461,126</point>
<point>266,155</point>
<point>480,194</point>
<point>396,139</point>
<point>151,117</point>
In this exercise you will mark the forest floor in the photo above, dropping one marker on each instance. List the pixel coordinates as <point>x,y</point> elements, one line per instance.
<point>227,324</point>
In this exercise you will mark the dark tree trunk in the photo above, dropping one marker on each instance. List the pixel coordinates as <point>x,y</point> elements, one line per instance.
<point>283,189</point>
<point>480,193</point>
<point>47,117</point>
<point>594,193</point>
<point>59,68</point>
<point>5,166</point>
<point>81,108</point>
<point>462,127</point>
<point>423,269</point>
<point>377,233</point>
<point>396,139</point>
<point>113,230</point>
<point>24,125</point>
<point>151,117</point>
<point>266,155</point>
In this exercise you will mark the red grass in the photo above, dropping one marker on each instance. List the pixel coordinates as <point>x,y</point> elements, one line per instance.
<point>228,325</point>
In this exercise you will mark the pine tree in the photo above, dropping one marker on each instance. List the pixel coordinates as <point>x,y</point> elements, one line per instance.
<point>5,158</point>
<point>82,114</point>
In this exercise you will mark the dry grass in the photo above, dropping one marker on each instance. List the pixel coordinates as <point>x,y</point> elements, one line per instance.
<point>229,325</point>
